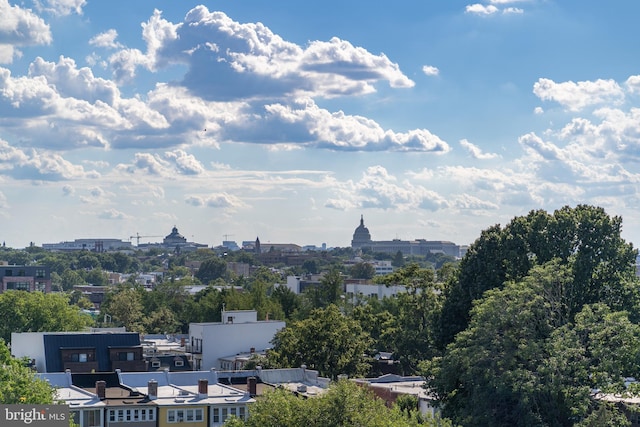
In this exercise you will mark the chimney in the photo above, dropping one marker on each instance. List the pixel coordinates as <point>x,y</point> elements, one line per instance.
<point>203,388</point>
<point>252,386</point>
<point>152,389</point>
<point>101,389</point>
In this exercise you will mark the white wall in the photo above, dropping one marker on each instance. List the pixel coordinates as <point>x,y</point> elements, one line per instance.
<point>31,345</point>
<point>367,290</point>
<point>223,339</point>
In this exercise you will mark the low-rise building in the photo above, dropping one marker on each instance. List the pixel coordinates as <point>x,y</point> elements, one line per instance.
<point>98,351</point>
<point>239,331</point>
<point>149,399</point>
<point>389,387</point>
<point>29,278</point>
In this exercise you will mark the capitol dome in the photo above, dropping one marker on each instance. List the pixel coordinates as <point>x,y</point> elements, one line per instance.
<point>361,236</point>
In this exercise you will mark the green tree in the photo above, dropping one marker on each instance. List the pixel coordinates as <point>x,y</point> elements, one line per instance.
<point>327,341</point>
<point>124,305</point>
<point>411,334</point>
<point>398,260</point>
<point>289,301</point>
<point>362,270</point>
<point>211,269</point>
<point>585,236</point>
<point>70,278</point>
<point>18,383</point>
<point>524,360</point>
<point>37,312</point>
<point>345,404</point>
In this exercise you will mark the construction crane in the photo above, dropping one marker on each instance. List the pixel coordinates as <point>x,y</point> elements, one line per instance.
<point>138,237</point>
<point>226,236</point>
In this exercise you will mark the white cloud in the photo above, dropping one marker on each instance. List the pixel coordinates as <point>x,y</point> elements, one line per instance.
<point>480,9</point>
<point>538,110</point>
<point>106,40</point>
<point>38,165</point>
<point>68,190</point>
<point>379,189</point>
<point>216,200</point>
<point>20,27</point>
<point>430,70</point>
<point>476,152</point>
<point>61,7</point>
<point>185,163</point>
<point>113,214</point>
<point>576,96</point>
<point>251,61</point>
<point>633,84</point>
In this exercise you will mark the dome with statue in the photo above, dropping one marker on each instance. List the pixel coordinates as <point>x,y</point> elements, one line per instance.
<point>361,236</point>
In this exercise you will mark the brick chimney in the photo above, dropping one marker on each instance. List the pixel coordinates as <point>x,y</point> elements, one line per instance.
<point>152,389</point>
<point>203,388</point>
<point>252,386</point>
<point>101,389</point>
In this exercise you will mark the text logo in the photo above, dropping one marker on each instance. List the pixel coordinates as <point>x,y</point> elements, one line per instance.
<point>34,415</point>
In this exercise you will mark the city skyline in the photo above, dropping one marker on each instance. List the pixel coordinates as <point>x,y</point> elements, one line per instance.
<point>289,121</point>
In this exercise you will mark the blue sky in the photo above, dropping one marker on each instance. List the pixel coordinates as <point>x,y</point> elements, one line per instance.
<point>288,120</point>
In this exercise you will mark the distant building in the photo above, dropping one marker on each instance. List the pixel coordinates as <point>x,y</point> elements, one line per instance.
<point>238,332</point>
<point>25,278</point>
<point>175,242</point>
<point>362,241</point>
<point>361,236</point>
<point>356,291</point>
<point>93,245</point>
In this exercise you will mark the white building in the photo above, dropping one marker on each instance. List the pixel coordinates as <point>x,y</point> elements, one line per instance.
<point>358,291</point>
<point>239,332</point>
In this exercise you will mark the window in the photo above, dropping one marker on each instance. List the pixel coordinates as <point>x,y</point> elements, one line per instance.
<point>179,362</point>
<point>91,418</point>
<point>155,363</point>
<point>126,355</point>
<point>40,273</point>
<point>189,415</point>
<point>82,357</point>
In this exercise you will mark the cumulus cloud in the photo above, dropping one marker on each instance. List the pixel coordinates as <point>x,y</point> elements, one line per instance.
<point>379,189</point>
<point>215,200</point>
<point>185,163</point>
<point>60,105</point>
<point>476,152</point>
<point>36,165</point>
<point>480,9</point>
<point>20,27</point>
<point>68,190</point>
<point>61,7</point>
<point>106,40</point>
<point>430,70</point>
<point>303,122</point>
<point>250,61</point>
<point>494,7</point>
<point>576,96</point>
